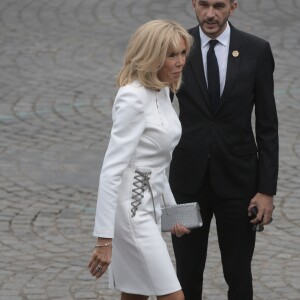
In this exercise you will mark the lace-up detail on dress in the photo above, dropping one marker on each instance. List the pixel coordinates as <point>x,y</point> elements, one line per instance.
<point>141,183</point>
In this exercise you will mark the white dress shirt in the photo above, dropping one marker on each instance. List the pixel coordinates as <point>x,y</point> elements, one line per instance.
<point>221,50</point>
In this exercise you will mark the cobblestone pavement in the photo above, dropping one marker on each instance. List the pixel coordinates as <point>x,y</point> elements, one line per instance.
<point>58,60</point>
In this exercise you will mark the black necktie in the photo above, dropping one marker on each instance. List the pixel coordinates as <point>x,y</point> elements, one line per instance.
<point>213,78</point>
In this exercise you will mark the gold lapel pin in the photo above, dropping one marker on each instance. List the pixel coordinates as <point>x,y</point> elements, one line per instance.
<point>235,53</point>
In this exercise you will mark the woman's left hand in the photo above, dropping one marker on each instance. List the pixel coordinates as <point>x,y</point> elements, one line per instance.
<point>179,230</point>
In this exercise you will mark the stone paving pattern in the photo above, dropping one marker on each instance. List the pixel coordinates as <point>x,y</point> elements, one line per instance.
<point>58,61</point>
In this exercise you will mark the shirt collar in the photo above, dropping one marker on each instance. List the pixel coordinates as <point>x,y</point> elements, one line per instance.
<point>223,38</point>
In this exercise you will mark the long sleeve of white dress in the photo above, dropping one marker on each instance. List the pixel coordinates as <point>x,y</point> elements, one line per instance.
<point>127,129</point>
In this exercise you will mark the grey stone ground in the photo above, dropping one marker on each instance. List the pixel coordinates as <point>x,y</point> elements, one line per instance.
<point>58,59</point>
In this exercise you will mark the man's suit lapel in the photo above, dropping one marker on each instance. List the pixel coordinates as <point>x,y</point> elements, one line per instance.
<point>196,63</point>
<point>234,55</point>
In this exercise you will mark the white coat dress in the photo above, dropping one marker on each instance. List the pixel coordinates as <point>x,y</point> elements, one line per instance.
<point>132,181</point>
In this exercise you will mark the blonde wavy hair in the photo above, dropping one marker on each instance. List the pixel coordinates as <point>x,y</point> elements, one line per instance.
<point>147,50</point>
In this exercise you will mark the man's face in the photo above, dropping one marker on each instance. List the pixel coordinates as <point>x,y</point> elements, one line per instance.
<point>213,15</point>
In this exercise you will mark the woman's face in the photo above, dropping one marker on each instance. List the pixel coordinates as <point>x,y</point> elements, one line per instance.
<point>173,65</point>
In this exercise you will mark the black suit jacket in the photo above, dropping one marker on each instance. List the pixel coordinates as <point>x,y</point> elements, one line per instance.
<point>240,162</point>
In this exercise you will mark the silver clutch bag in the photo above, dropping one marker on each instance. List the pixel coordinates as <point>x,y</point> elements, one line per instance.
<point>187,214</point>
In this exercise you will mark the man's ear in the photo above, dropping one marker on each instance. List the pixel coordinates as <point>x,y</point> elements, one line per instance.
<point>193,3</point>
<point>233,6</point>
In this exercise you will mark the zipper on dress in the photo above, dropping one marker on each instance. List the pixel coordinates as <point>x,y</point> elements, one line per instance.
<point>159,114</point>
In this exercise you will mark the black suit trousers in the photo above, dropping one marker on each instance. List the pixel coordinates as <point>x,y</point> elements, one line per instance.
<point>236,241</point>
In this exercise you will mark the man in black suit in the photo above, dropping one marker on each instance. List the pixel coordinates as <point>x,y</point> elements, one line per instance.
<point>219,162</point>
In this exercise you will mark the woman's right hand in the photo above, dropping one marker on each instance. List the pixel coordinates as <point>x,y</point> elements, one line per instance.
<point>179,230</point>
<point>101,257</point>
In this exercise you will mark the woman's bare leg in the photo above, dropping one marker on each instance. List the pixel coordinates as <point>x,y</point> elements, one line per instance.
<point>173,296</point>
<point>125,296</point>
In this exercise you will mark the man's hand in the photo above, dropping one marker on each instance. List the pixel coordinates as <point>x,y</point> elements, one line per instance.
<point>265,206</point>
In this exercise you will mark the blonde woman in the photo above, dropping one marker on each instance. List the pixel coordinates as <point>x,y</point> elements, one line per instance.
<point>133,180</point>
